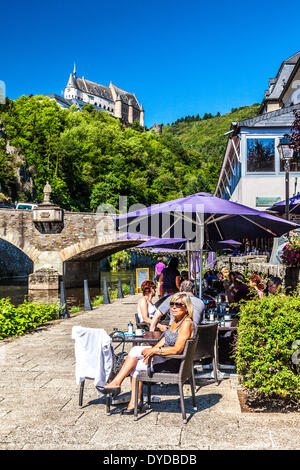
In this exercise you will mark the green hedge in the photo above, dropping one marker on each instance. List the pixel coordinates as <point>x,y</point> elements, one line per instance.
<point>15,321</point>
<point>266,348</point>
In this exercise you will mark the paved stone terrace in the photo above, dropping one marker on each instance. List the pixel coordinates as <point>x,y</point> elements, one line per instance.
<point>39,402</point>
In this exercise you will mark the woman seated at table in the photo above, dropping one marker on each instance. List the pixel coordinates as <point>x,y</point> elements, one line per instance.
<point>146,308</point>
<point>173,342</point>
<point>256,284</point>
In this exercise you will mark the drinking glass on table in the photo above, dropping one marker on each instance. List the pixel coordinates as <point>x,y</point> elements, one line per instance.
<point>211,314</point>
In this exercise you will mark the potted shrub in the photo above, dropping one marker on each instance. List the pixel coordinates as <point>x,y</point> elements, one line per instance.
<point>266,351</point>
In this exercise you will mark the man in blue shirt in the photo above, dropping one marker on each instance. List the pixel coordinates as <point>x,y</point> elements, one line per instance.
<point>164,308</point>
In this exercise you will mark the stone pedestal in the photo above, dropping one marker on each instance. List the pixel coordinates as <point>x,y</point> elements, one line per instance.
<point>46,278</point>
<point>43,296</point>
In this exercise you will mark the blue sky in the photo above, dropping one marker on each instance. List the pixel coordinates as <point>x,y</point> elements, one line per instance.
<point>180,58</point>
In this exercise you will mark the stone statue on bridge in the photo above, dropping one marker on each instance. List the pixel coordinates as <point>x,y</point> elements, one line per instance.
<point>47,193</point>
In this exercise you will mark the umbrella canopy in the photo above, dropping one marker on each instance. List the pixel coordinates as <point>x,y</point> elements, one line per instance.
<point>221,219</point>
<point>226,245</point>
<point>229,242</point>
<point>166,250</point>
<point>134,236</point>
<point>175,243</point>
<point>294,205</point>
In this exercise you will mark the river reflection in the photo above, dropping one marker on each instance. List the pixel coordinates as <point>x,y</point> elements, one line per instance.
<point>17,289</point>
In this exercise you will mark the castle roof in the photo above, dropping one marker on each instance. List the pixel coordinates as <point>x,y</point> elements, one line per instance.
<point>56,97</point>
<point>93,88</point>
<point>293,59</point>
<point>126,97</point>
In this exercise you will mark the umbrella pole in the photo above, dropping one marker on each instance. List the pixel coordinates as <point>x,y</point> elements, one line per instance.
<point>194,267</point>
<point>200,273</point>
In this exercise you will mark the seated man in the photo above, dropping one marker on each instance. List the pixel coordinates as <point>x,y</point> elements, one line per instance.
<point>164,309</point>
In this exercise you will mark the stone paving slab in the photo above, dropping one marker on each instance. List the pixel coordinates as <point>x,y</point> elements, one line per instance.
<point>39,402</point>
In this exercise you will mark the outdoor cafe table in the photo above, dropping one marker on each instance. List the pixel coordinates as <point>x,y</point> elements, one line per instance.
<point>150,337</point>
<point>230,325</point>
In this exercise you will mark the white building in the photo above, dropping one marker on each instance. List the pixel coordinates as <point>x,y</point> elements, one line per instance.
<point>252,173</point>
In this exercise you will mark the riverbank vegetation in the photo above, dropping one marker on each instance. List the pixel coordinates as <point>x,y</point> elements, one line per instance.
<point>16,321</point>
<point>90,158</point>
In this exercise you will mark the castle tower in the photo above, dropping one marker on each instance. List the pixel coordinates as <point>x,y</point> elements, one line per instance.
<point>71,88</point>
<point>142,115</point>
<point>158,128</point>
<point>118,107</point>
<point>130,111</point>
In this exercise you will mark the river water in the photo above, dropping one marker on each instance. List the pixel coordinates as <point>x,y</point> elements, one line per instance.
<point>17,289</point>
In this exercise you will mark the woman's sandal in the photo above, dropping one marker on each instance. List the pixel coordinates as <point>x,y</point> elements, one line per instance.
<point>126,411</point>
<point>109,390</point>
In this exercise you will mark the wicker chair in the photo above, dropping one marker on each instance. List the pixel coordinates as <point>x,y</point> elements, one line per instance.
<point>186,373</point>
<point>207,346</point>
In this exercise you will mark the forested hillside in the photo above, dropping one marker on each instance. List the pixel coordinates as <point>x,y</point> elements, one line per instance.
<point>206,135</point>
<point>90,158</point>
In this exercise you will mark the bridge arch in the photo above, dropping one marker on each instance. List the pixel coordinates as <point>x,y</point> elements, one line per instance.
<point>92,250</point>
<point>13,238</point>
<point>13,260</point>
<point>81,260</point>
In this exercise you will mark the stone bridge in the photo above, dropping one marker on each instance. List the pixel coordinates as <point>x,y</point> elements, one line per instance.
<point>73,254</point>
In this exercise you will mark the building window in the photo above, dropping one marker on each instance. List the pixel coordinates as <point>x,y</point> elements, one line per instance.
<point>260,155</point>
<point>294,163</point>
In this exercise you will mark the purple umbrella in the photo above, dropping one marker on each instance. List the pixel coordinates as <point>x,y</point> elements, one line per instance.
<point>134,236</point>
<point>176,243</point>
<point>166,250</point>
<point>229,242</point>
<point>226,244</point>
<point>294,205</point>
<point>221,218</point>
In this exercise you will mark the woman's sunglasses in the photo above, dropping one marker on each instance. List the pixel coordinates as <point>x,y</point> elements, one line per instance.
<point>176,304</point>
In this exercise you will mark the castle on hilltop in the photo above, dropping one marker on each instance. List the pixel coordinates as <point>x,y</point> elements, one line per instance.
<point>112,99</point>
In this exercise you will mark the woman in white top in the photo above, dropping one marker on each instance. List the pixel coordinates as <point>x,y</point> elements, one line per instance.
<point>146,309</point>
